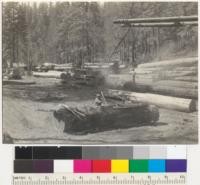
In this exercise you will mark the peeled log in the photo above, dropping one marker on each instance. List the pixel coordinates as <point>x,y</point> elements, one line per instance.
<point>49,74</point>
<point>62,68</point>
<point>187,78</point>
<point>144,82</point>
<point>159,69</point>
<point>176,91</point>
<point>170,74</point>
<point>176,83</point>
<point>168,102</point>
<point>183,62</point>
<point>165,75</point>
<point>98,64</point>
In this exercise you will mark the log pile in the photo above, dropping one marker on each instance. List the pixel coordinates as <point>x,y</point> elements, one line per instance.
<point>171,77</point>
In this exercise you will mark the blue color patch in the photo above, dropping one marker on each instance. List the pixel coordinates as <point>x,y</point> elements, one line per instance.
<point>156,165</point>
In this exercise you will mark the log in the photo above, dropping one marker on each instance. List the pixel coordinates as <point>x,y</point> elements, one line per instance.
<point>165,75</point>
<point>187,78</point>
<point>175,91</point>
<point>98,67</point>
<point>147,76</point>
<point>119,80</point>
<point>62,68</point>
<point>167,102</point>
<point>145,72</point>
<point>157,19</point>
<point>178,68</point>
<point>193,68</point>
<point>90,119</point>
<point>18,82</point>
<point>97,64</point>
<point>144,82</point>
<point>174,70</point>
<point>186,62</point>
<point>176,74</point>
<point>161,24</point>
<point>176,83</point>
<point>49,74</point>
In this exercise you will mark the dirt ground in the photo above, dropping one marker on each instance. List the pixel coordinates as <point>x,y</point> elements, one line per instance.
<point>28,118</point>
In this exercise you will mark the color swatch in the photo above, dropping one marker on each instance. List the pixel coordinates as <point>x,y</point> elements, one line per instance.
<point>100,166</point>
<point>119,166</point>
<point>82,166</point>
<point>139,159</point>
<point>63,166</point>
<point>139,166</point>
<point>156,165</point>
<point>101,152</point>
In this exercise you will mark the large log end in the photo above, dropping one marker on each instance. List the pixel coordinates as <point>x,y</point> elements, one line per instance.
<point>193,106</point>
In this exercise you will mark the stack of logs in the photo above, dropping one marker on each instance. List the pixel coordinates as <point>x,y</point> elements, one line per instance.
<point>171,77</point>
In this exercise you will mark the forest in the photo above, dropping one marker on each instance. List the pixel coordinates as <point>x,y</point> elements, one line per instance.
<point>76,32</point>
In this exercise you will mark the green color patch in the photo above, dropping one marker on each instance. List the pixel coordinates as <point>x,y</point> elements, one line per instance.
<point>138,166</point>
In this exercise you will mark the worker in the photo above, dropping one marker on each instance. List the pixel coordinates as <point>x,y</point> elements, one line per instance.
<point>98,100</point>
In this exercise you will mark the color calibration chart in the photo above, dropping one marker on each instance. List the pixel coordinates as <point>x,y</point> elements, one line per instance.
<point>146,165</point>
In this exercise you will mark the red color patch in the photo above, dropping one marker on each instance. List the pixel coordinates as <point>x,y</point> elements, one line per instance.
<point>101,166</point>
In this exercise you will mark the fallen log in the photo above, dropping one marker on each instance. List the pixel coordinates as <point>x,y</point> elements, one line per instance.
<point>144,82</point>
<point>160,24</point>
<point>176,83</point>
<point>156,20</point>
<point>147,76</point>
<point>120,80</point>
<point>18,82</point>
<point>187,78</point>
<point>98,64</point>
<point>166,74</point>
<point>89,119</point>
<point>176,68</point>
<point>183,62</point>
<point>160,70</point>
<point>193,68</point>
<point>176,91</point>
<point>168,102</point>
<point>49,74</point>
<point>62,68</point>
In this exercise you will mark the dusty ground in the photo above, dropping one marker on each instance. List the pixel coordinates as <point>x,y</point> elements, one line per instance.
<point>28,118</point>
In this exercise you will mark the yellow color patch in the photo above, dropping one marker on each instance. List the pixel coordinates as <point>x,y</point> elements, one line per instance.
<point>120,166</point>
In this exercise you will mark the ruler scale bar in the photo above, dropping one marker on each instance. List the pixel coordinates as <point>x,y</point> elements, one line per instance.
<point>100,179</point>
